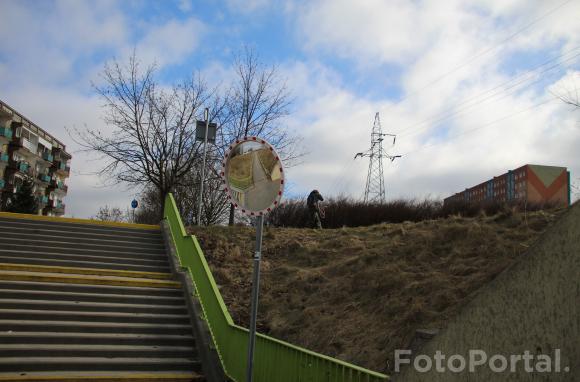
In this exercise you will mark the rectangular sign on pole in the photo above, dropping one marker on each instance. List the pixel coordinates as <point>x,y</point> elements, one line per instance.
<point>200,131</point>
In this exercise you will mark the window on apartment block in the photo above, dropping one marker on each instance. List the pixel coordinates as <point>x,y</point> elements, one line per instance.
<point>24,133</point>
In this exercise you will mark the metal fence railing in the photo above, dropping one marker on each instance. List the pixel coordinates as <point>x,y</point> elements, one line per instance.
<point>274,360</point>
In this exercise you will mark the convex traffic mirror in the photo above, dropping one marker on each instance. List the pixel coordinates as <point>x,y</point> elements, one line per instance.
<point>253,176</point>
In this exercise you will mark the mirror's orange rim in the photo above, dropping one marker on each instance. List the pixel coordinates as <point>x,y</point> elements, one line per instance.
<point>276,201</point>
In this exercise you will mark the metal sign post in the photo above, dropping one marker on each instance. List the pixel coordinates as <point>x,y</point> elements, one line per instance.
<point>255,293</point>
<point>205,132</point>
<point>254,180</point>
<point>206,114</point>
<point>134,204</point>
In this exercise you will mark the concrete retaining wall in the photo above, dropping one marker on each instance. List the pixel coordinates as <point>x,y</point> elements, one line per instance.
<point>534,306</point>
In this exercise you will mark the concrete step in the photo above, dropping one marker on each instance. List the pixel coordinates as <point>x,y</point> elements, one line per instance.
<point>79,227</point>
<point>95,302</point>
<point>71,243</point>
<point>88,297</point>
<point>91,350</point>
<point>81,306</point>
<point>105,290</point>
<point>104,376</point>
<point>106,258</point>
<point>87,279</point>
<point>92,327</point>
<point>25,364</point>
<point>34,339</point>
<point>67,232</point>
<point>14,258</point>
<point>85,271</point>
<point>73,238</point>
<point>35,249</point>
<point>47,315</point>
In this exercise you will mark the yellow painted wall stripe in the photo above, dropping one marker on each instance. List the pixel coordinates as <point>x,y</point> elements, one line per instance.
<point>87,279</point>
<point>117,377</point>
<point>10,215</point>
<point>85,271</point>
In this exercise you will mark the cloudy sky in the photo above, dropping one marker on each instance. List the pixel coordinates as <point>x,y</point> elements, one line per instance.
<point>467,86</point>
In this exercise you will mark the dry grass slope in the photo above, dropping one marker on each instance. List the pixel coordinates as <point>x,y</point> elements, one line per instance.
<point>359,293</point>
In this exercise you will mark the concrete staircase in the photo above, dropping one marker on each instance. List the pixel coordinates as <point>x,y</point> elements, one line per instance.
<point>82,301</point>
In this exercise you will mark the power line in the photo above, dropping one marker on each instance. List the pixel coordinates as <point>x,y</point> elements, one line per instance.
<point>479,127</point>
<point>442,116</point>
<point>481,53</point>
<point>341,179</point>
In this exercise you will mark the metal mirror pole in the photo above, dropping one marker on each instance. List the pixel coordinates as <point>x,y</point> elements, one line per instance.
<point>206,114</point>
<point>255,292</point>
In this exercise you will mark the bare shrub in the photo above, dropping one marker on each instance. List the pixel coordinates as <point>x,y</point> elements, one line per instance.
<point>348,212</point>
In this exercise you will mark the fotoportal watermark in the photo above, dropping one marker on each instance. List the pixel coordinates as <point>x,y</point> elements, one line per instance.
<point>477,359</point>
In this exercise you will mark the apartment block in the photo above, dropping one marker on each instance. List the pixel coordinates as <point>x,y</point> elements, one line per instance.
<point>29,152</point>
<point>529,183</point>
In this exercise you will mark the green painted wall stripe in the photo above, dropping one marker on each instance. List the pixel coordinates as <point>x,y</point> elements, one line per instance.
<point>275,360</point>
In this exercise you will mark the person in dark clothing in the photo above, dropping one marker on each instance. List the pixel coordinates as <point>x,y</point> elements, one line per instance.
<point>314,209</point>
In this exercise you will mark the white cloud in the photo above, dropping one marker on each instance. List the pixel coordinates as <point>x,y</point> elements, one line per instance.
<point>45,73</point>
<point>429,40</point>
<point>46,44</point>
<point>171,42</point>
<point>375,29</point>
<point>49,55</point>
<point>336,124</point>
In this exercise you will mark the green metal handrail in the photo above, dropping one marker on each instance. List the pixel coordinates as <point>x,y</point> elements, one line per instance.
<point>275,360</point>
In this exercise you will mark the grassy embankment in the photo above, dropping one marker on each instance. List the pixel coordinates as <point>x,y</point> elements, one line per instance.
<point>359,293</point>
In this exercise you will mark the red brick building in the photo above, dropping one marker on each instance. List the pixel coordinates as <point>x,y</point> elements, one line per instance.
<point>531,183</point>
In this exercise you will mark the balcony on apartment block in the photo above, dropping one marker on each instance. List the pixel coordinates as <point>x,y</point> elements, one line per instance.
<point>44,178</point>
<point>6,132</point>
<point>58,185</point>
<point>25,143</point>
<point>61,168</point>
<point>23,167</point>
<point>46,155</point>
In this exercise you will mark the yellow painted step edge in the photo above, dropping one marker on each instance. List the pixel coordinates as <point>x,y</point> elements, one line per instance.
<point>141,377</point>
<point>11,215</point>
<point>85,271</point>
<point>88,280</point>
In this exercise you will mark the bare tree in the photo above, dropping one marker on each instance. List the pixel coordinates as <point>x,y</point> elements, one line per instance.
<point>215,202</point>
<point>110,214</point>
<point>570,97</point>
<point>570,94</point>
<point>153,139</point>
<point>153,142</point>
<point>256,105</point>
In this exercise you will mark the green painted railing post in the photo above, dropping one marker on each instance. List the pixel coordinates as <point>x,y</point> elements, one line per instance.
<point>275,360</point>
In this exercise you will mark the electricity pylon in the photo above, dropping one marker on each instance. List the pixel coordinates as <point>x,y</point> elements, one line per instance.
<point>375,187</point>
